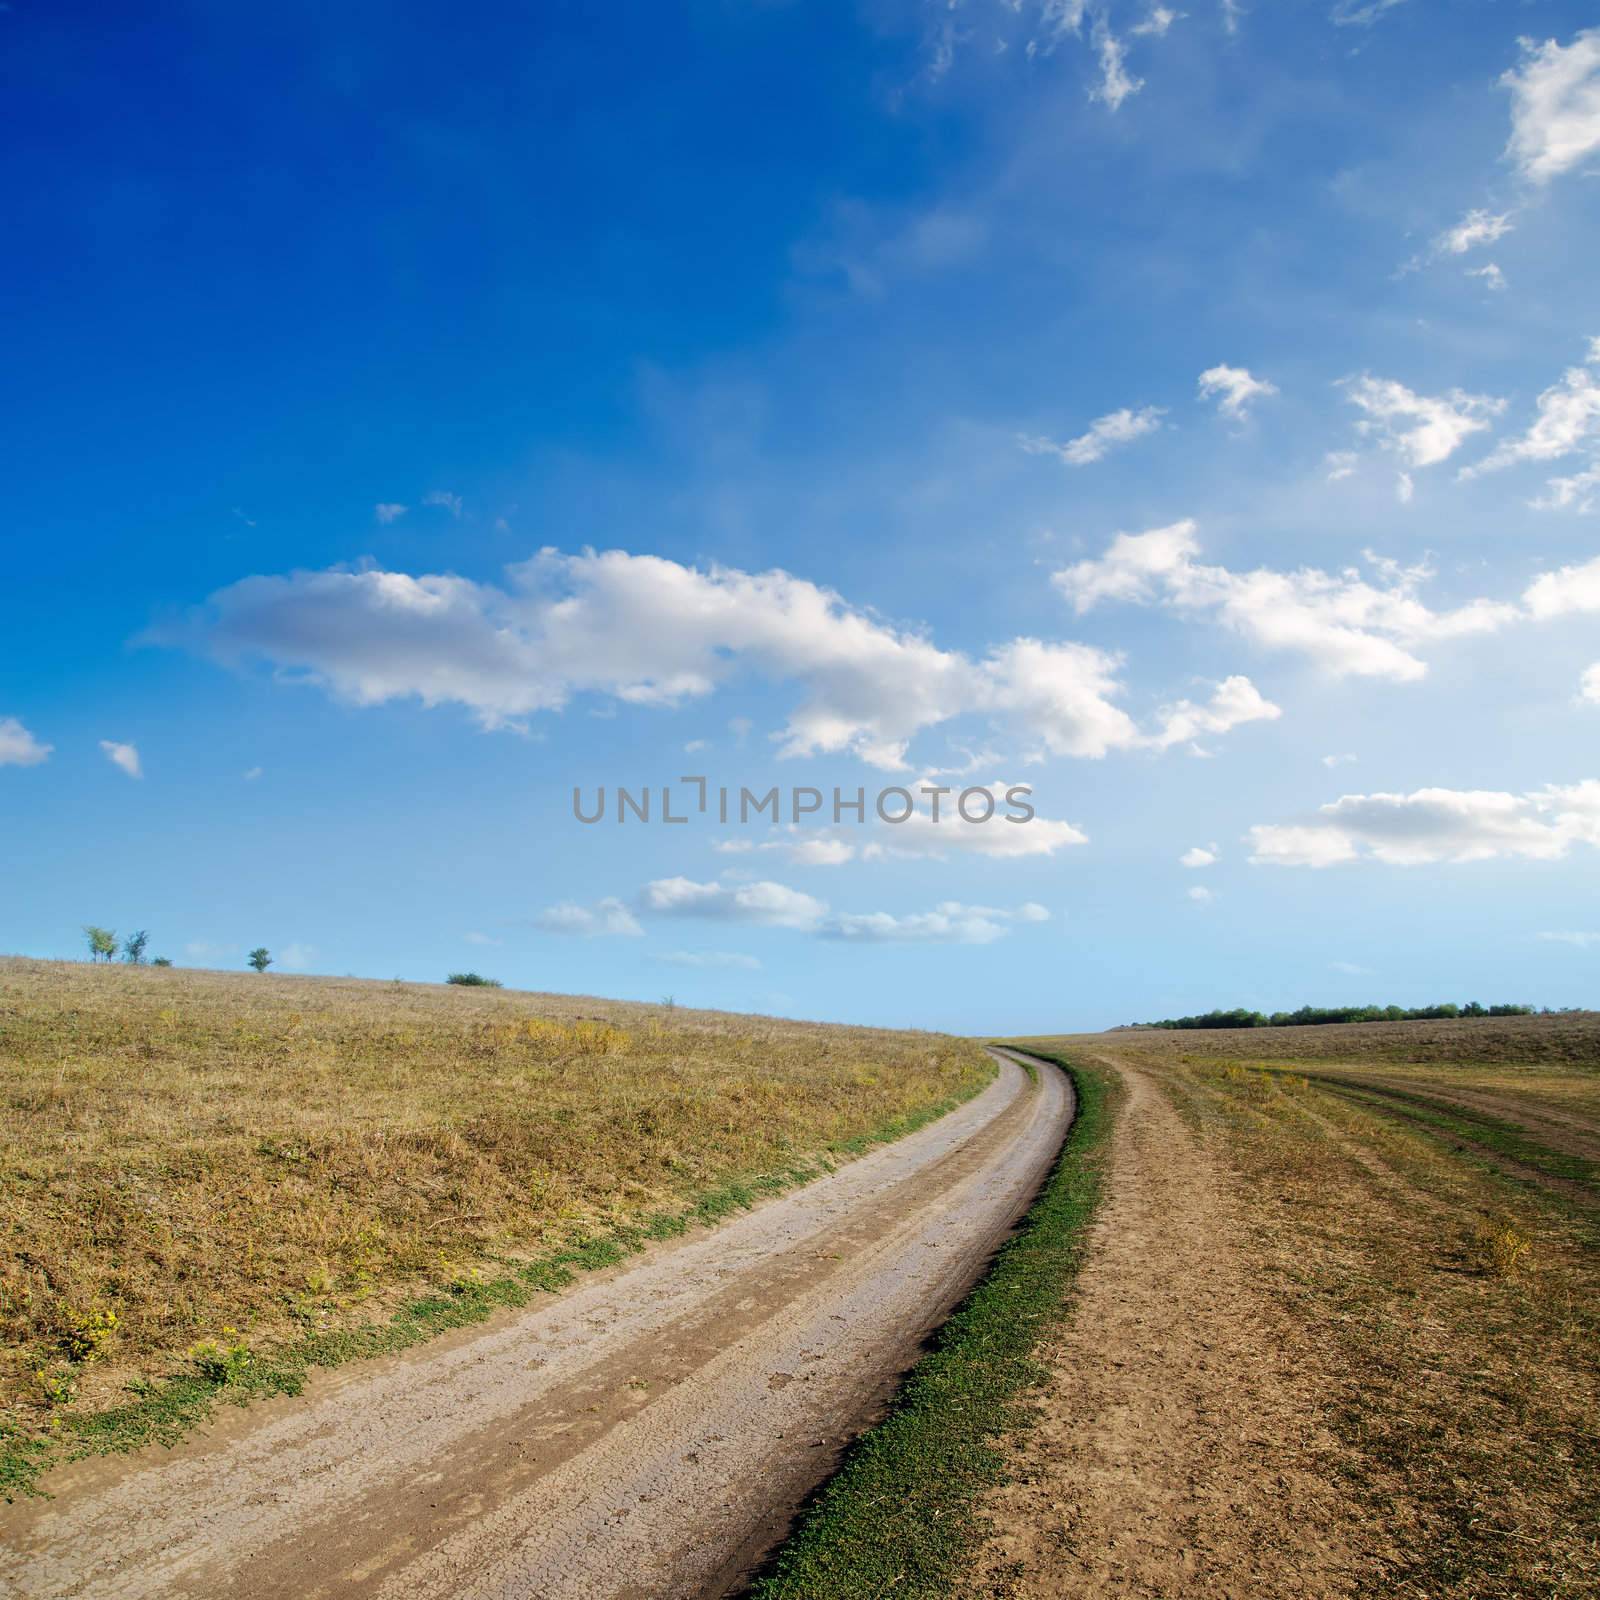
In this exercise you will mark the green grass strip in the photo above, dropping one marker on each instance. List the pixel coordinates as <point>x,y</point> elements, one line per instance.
<point>901,1516</point>
<point>163,1412</point>
<point>1450,1120</point>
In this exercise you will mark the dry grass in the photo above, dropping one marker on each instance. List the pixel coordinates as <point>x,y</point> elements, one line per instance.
<point>198,1157</point>
<point>1418,1200</point>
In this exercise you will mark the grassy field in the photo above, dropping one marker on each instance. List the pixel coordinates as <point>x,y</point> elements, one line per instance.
<point>215,1181</point>
<point>1420,1200</point>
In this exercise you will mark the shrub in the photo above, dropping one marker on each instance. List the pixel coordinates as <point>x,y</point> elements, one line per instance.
<point>474,980</point>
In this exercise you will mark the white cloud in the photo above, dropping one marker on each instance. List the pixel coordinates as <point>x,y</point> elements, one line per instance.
<point>1104,435</point>
<point>1200,894</point>
<point>948,923</point>
<point>1404,488</point>
<point>1493,277</point>
<point>1564,592</point>
<point>1157,23</point>
<point>648,631</point>
<point>1338,760</point>
<point>1579,491</point>
<point>480,938</point>
<point>1436,825</point>
<point>1115,85</point>
<point>1421,429</point>
<point>1589,685</point>
<point>1200,856</point>
<point>607,918</point>
<point>1474,229</point>
<point>387,511</point>
<point>250,774</point>
<point>296,957</point>
<point>920,835</point>
<point>123,756</point>
<point>203,950</point>
<point>1568,420</point>
<point>1360,13</point>
<point>18,747</point>
<point>1340,464</point>
<point>766,904</point>
<point>1351,969</point>
<point>1344,623</point>
<point>1555,106</point>
<point>694,746</point>
<point>709,959</point>
<point>1234,388</point>
<point>444,500</point>
<point>1234,702</point>
<point>821,852</point>
<point>1582,940</point>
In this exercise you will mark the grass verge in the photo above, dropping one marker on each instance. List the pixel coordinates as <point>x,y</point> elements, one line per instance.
<point>901,1514</point>
<point>163,1412</point>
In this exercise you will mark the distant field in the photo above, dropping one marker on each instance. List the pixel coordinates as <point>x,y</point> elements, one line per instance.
<point>1402,1312</point>
<point>236,1162</point>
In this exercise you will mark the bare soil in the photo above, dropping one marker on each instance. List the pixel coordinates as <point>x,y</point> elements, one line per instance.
<point>1177,1450</point>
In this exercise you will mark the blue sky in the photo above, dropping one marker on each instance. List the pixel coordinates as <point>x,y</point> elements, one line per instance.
<point>1191,415</point>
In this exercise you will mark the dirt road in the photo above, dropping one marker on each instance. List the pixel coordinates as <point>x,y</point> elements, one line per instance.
<point>645,1434</point>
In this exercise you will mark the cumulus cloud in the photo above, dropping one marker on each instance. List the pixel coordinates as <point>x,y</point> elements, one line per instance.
<point>608,918</point>
<point>1474,229</point>
<point>1234,702</point>
<point>18,747</point>
<point>387,511</point>
<point>950,922</point>
<point>1104,435</point>
<point>1555,106</point>
<point>444,500</point>
<point>1340,464</point>
<point>1200,894</point>
<point>648,631</point>
<point>1589,685</point>
<point>765,904</point>
<point>1567,591</point>
<point>1421,429</point>
<point>1568,420</point>
<point>709,959</point>
<point>122,756</point>
<point>1346,624</point>
<point>1234,389</point>
<point>1200,856</point>
<point>1493,277</point>
<point>804,848</point>
<point>1436,825</point>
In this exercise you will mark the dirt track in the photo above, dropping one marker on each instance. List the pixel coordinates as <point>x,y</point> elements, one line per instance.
<point>646,1434</point>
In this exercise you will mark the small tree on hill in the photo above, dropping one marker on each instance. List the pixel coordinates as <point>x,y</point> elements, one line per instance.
<point>162,961</point>
<point>472,980</point>
<point>259,959</point>
<point>102,942</point>
<point>133,948</point>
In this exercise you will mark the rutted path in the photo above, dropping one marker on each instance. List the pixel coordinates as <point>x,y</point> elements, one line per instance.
<point>647,1433</point>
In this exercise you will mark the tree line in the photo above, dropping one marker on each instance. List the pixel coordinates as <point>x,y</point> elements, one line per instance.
<point>1315,1016</point>
<point>103,947</point>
